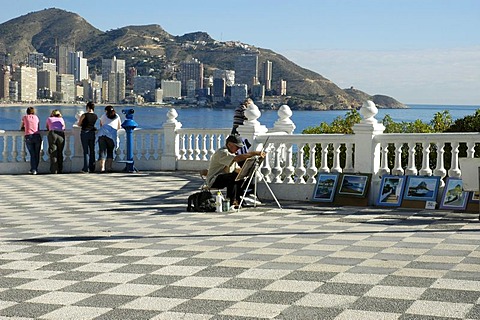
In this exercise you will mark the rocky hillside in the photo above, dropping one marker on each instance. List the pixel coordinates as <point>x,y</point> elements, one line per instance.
<point>154,51</point>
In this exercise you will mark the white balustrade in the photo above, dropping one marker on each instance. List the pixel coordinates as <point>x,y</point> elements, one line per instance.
<point>292,160</point>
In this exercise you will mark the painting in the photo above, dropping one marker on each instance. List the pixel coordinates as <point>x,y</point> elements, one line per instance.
<point>354,184</point>
<point>325,188</point>
<point>423,188</point>
<point>453,195</point>
<point>391,191</point>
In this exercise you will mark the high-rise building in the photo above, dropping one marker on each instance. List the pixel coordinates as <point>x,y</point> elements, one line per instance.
<point>246,69</point>
<point>258,93</point>
<point>282,87</point>
<point>113,71</point>
<point>4,83</point>
<point>62,58</point>
<point>144,84</point>
<point>238,93</point>
<point>46,83</point>
<point>219,86</point>
<point>27,83</point>
<point>50,66</point>
<point>65,88</point>
<point>191,70</point>
<point>267,75</point>
<point>228,75</point>
<point>91,91</point>
<point>77,65</point>
<point>171,88</point>
<point>35,60</point>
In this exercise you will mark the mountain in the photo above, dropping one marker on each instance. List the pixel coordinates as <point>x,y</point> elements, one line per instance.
<point>153,51</point>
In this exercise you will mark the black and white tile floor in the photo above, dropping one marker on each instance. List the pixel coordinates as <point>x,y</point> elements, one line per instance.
<point>122,246</point>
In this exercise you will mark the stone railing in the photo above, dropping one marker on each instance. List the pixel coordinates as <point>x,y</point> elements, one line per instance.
<point>292,161</point>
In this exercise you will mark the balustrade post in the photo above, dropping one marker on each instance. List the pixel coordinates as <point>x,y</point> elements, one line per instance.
<point>252,127</point>
<point>367,151</point>
<point>171,153</point>
<point>284,123</point>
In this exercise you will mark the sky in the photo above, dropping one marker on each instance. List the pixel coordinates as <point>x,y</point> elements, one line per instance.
<point>416,51</point>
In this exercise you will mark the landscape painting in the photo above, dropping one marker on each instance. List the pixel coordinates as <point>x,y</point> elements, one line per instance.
<point>325,188</point>
<point>391,191</point>
<point>453,195</point>
<point>354,184</point>
<point>423,188</point>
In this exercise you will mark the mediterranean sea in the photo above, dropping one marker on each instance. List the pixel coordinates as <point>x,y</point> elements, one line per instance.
<point>154,117</point>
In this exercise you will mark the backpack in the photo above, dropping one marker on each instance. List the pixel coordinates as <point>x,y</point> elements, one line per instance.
<point>202,201</point>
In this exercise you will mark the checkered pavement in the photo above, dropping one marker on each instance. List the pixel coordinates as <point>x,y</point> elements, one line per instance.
<point>122,246</point>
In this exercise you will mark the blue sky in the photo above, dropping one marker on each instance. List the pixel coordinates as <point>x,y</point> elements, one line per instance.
<point>417,51</point>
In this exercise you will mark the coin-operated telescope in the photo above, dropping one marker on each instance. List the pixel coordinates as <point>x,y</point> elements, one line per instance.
<point>129,125</point>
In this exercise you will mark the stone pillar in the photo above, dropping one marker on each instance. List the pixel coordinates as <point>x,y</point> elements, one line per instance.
<point>367,152</point>
<point>171,152</point>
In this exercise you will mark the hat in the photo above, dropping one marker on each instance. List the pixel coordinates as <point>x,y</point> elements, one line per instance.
<point>236,140</point>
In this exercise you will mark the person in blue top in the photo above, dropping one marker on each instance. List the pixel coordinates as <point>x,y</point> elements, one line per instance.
<point>56,140</point>
<point>110,123</point>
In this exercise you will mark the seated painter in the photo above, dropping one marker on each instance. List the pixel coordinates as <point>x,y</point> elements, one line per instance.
<point>224,168</point>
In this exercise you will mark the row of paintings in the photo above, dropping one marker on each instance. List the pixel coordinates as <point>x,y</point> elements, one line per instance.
<point>330,184</point>
<point>394,189</point>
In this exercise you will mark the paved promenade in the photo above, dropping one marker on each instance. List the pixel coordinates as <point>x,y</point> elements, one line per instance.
<point>122,246</point>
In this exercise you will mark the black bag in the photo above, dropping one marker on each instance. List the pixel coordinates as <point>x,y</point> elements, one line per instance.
<point>202,201</point>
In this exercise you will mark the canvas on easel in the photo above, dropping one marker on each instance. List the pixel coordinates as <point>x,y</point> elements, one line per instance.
<point>248,168</point>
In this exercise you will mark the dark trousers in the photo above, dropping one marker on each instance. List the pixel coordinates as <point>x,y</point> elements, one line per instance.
<point>56,144</point>
<point>234,188</point>
<point>88,145</point>
<point>34,144</point>
<point>106,147</point>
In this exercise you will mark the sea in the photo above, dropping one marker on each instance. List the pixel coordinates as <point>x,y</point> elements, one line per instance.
<point>149,117</point>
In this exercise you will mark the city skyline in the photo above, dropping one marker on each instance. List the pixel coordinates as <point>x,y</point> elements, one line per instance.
<point>415,51</point>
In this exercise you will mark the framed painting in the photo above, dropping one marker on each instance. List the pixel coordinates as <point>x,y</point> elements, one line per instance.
<point>354,185</point>
<point>423,188</point>
<point>453,196</point>
<point>325,188</point>
<point>391,191</point>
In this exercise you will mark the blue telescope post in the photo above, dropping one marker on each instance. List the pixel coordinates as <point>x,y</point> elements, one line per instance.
<point>129,125</point>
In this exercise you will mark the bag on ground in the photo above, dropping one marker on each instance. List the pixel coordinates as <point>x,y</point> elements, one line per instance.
<point>202,201</point>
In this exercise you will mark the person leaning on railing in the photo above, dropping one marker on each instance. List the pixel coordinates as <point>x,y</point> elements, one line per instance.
<point>87,136</point>
<point>224,168</point>
<point>33,139</point>
<point>56,140</point>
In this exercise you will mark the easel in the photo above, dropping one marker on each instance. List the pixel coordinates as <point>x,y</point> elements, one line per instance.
<point>253,169</point>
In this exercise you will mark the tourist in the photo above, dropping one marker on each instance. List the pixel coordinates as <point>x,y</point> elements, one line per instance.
<point>87,136</point>
<point>224,168</point>
<point>239,115</point>
<point>110,123</point>
<point>56,141</point>
<point>33,139</point>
